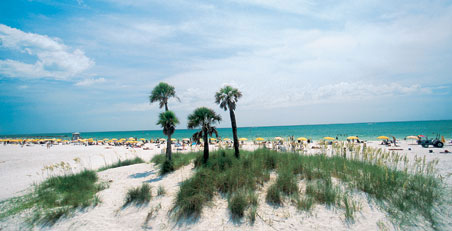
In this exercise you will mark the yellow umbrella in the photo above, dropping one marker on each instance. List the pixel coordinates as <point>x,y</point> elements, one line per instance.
<point>212,138</point>
<point>173,139</point>
<point>383,138</point>
<point>302,139</point>
<point>352,138</point>
<point>413,137</point>
<point>142,139</point>
<point>226,139</point>
<point>131,138</point>
<point>278,138</point>
<point>260,139</point>
<point>243,139</point>
<point>114,139</point>
<point>328,138</point>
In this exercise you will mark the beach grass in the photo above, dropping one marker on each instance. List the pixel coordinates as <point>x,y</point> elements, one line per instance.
<point>120,163</point>
<point>330,181</point>
<point>139,195</point>
<point>56,197</point>
<point>178,160</point>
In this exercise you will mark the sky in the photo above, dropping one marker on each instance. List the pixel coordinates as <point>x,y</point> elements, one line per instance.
<point>80,65</point>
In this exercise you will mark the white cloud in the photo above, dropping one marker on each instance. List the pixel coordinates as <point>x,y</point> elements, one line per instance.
<point>54,58</point>
<point>89,82</point>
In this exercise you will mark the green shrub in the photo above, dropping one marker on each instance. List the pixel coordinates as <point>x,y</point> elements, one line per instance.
<point>139,195</point>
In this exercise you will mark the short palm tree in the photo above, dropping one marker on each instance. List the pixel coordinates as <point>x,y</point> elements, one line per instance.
<point>161,93</point>
<point>168,121</point>
<point>227,98</point>
<point>204,118</point>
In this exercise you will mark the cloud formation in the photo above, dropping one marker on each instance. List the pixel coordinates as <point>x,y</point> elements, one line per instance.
<point>54,58</point>
<point>89,82</point>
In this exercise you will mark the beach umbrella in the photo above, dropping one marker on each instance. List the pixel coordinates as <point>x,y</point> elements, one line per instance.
<point>114,139</point>
<point>352,138</point>
<point>383,138</point>
<point>243,139</point>
<point>328,138</point>
<point>278,138</point>
<point>142,139</point>
<point>260,139</point>
<point>412,137</point>
<point>185,139</point>
<point>226,139</point>
<point>302,139</point>
<point>131,138</point>
<point>173,139</point>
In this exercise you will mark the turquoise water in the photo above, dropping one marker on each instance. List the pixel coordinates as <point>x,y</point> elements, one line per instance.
<point>366,131</point>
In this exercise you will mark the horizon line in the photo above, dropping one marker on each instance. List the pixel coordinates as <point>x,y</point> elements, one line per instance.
<point>315,124</point>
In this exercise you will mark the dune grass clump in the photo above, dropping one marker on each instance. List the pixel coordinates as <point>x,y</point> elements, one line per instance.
<point>166,167</point>
<point>120,163</point>
<point>323,191</point>
<point>237,204</point>
<point>194,193</point>
<point>330,180</point>
<point>56,198</point>
<point>139,195</point>
<point>161,191</point>
<point>273,195</point>
<point>178,160</point>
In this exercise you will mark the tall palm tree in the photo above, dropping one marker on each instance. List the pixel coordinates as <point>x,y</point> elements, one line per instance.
<point>168,121</point>
<point>161,93</point>
<point>204,118</point>
<point>227,98</point>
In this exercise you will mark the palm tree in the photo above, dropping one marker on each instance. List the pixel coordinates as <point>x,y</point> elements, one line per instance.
<point>204,118</point>
<point>227,98</point>
<point>161,93</point>
<point>168,121</point>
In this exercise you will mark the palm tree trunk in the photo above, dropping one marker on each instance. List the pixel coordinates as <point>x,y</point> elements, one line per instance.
<point>166,106</point>
<point>206,146</point>
<point>168,148</point>
<point>234,133</point>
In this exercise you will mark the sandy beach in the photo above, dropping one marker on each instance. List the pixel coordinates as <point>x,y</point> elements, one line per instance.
<point>20,167</point>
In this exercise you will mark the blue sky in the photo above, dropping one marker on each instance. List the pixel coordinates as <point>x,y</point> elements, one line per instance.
<point>90,65</point>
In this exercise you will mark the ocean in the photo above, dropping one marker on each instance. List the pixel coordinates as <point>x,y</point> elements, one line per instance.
<point>365,131</point>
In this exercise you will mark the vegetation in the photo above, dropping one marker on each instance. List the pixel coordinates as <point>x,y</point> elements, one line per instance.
<point>161,191</point>
<point>120,163</point>
<point>161,93</point>
<point>204,118</point>
<point>227,97</point>
<point>56,197</point>
<point>178,160</point>
<point>329,180</point>
<point>168,121</point>
<point>139,195</point>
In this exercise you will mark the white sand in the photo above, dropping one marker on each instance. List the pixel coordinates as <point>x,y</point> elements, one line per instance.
<point>18,167</point>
